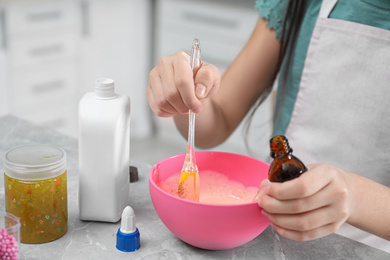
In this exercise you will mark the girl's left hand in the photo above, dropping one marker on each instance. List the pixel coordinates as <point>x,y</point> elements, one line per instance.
<point>311,206</point>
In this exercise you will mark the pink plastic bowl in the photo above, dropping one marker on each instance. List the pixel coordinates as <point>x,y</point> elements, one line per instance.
<point>210,226</point>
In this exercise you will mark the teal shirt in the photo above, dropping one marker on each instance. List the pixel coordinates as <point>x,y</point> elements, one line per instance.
<point>369,12</point>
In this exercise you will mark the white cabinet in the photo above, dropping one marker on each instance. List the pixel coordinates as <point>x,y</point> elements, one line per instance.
<point>116,44</point>
<point>3,67</point>
<point>52,51</point>
<point>223,27</point>
<point>39,58</point>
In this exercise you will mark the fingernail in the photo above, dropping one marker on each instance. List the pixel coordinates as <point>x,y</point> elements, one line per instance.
<point>264,213</point>
<point>257,198</point>
<point>262,189</point>
<point>260,202</point>
<point>264,185</point>
<point>200,90</point>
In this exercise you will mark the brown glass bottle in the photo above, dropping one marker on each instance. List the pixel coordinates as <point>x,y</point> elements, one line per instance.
<point>285,165</point>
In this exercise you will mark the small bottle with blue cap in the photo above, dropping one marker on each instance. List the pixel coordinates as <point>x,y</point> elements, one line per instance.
<point>128,237</point>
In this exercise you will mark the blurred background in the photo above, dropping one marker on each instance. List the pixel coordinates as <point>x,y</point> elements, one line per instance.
<point>51,52</point>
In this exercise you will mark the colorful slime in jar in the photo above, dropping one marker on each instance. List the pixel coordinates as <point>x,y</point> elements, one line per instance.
<point>35,181</point>
<point>215,188</point>
<point>40,205</point>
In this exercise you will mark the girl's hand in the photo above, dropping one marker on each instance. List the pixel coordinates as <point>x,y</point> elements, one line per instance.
<point>174,89</point>
<point>311,206</point>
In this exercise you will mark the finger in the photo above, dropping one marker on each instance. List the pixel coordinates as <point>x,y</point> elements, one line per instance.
<point>309,220</point>
<point>156,107</point>
<point>307,234</point>
<point>305,185</point>
<point>262,190</point>
<point>320,199</point>
<point>170,85</point>
<point>184,82</point>
<point>207,80</point>
<point>155,95</point>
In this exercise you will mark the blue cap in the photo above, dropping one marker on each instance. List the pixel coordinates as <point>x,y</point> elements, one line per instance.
<point>127,242</point>
<point>127,237</point>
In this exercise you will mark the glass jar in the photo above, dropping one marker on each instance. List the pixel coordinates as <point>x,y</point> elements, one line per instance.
<point>36,191</point>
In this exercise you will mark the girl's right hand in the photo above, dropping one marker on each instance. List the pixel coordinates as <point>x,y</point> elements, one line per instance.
<point>174,89</point>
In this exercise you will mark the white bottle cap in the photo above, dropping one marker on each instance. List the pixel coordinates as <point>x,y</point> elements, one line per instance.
<point>105,88</point>
<point>128,221</point>
<point>128,237</point>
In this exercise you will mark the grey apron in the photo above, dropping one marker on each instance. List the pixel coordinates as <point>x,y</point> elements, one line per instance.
<point>342,111</point>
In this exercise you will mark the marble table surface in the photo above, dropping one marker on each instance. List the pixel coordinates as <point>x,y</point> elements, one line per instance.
<point>96,240</point>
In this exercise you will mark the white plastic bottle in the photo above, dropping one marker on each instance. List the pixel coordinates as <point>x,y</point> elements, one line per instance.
<point>104,153</point>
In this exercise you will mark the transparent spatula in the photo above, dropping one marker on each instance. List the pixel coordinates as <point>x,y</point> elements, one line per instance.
<point>188,187</point>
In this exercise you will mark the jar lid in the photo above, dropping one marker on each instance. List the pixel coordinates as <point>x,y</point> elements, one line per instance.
<point>34,162</point>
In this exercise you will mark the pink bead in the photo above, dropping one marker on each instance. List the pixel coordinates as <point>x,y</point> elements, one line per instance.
<point>8,246</point>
